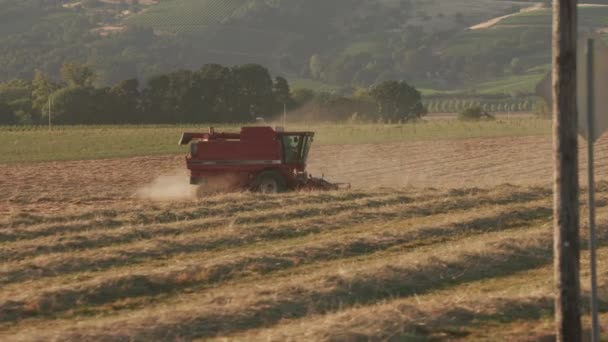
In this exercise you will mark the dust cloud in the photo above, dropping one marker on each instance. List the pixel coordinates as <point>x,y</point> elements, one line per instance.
<point>176,186</point>
<point>170,187</point>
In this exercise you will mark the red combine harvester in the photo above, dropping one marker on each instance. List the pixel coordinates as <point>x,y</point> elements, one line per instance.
<point>258,159</point>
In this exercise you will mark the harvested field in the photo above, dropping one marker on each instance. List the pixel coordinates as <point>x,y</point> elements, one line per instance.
<point>476,162</point>
<point>85,258</point>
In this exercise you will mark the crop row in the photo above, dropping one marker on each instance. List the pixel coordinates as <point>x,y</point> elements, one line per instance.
<point>173,15</point>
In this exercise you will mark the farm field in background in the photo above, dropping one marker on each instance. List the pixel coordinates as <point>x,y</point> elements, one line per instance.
<point>26,144</point>
<point>589,15</point>
<point>528,26</point>
<point>447,163</point>
<point>187,15</point>
<point>194,16</point>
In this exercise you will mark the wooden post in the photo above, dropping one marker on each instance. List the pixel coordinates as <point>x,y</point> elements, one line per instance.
<point>595,332</point>
<point>50,104</point>
<point>284,115</point>
<point>566,188</point>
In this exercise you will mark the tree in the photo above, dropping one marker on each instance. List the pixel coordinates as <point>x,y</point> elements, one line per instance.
<point>281,92</point>
<point>316,66</point>
<point>254,92</point>
<point>79,105</point>
<point>218,92</point>
<point>451,106</point>
<point>472,113</point>
<point>460,105</point>
<point>7,116</point>
<point>396,100</point>
<point>302,96</point>
<point>17,95</point>
<point>541,109</point>
<point>153,99</point>
<point>183,97</point>
<point>78,75</point>
<point>42,88</point>
<point>516,66</point>
<point>412,37</point>
<point>125,105</point>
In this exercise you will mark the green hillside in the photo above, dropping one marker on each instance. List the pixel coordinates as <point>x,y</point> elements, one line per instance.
<point>174,15</point>
<point>589,16</point>
<point>187,16</point>
<point>425,42</point>
<point>358,42</point>
<point>338,45</point>
<point>520,45</point>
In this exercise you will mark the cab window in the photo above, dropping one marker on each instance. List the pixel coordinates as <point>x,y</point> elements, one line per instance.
<point>291,147</point>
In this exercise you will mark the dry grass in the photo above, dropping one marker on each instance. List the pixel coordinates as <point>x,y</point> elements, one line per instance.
<point>366,264</point>
<point>62,187</point>
<point>519,306</point>
<point>362,264</point>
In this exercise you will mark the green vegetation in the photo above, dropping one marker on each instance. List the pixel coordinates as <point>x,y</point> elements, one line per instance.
<point>352,42</point>
<point>307,83</point>
<point>589,16</point>
<point>474,113</point>
<point>27,144</point>
<point>457,102</point>
<point>398,101</point>
<point>214,93</point>
<point>334,47</point>
<point>521,84</point>
<point>187,15</point>
<point>513,55</point>
<point>211,94</point>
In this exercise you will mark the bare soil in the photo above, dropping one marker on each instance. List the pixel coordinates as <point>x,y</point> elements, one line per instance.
<point>479,162</point>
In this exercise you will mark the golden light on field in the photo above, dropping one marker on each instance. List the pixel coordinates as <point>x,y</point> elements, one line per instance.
<point>429,242</point>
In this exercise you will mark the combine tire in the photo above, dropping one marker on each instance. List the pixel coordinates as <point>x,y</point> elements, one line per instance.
<point>270,182</point>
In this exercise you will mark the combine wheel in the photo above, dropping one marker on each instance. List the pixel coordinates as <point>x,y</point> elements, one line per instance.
<point>270,182</point>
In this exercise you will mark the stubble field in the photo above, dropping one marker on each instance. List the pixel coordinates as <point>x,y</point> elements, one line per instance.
<point>430,244</point>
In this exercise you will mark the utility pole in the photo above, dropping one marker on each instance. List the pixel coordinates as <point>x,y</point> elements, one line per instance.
<point>50,105</point>
<point>284,114</point>
<point>566,188</point>
<point>591,187</point>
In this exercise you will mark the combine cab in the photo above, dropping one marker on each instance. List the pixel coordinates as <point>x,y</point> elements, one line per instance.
<point>258,159</point>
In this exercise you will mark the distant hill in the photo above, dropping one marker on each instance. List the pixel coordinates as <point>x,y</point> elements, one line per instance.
<point>330,44</point>
<point>356,42</point>
<point>521,44</point>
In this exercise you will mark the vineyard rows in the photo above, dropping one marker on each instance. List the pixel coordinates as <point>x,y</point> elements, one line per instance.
<point>456,105</point>
<point>187,14</point>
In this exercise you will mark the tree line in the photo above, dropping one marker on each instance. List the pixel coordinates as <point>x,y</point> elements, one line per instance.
<point>211,94</point>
